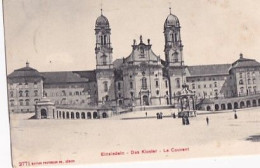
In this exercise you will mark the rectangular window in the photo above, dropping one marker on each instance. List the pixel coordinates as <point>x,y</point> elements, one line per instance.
<point>36,93</point>
<point>12,103</point>
<point>193,86</point>
<point>20,93</point>
<point>119,86</point>
<point>105,87</point>
<point>132,94</point>
<point>166,84</point>
<point>240,75</point>
<point>178,84</point>
<point>35,85</point>
<point>27,93</point>
<point>131,85</point>
<point>157,83</point>
<point>11,94</point>
<point>144,83</point>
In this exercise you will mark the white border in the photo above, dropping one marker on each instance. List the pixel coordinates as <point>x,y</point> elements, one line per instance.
<point>5,154</point>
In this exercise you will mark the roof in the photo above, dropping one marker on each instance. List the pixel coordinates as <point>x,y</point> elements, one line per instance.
<point>62,77</point>
<point>244,62</point>
<point>117,63</point>
<point>90,75</point>
<point>142,53</point>
<point>25,72</point>
<point>118,75</point>
<point>207,70</point>
<point>171,20</point>
<point>102,21</point>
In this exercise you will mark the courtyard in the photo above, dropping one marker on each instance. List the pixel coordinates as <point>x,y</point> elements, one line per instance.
<point>142,139</point>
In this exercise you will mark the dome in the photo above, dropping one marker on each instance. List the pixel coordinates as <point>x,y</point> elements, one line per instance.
<point>102,21</point>
<point>171,20</point>
<point>25,72</point>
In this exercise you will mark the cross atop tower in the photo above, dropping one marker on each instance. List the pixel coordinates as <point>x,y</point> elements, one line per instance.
<point>170,4</point>
<point>101,8</point>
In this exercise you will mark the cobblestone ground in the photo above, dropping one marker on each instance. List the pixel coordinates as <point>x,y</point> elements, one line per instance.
<point>84,141</point>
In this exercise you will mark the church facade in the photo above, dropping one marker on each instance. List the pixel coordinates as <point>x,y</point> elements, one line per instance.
<point>142,78</point>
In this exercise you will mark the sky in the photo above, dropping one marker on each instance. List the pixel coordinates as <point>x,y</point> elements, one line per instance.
<point>58,35</point>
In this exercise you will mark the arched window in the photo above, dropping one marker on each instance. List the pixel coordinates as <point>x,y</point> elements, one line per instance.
<point>215,84</point>
<point>166,84</point>
<point>12,102</point>
<point>105,86</point>
<point>63,93</point>
<point>106,98</point>
<point>105,39</point>
<point>193,86</point>
<point>240,74</point>
<point>156,83</point>
<point>157,92</point>
<point>119,86</point>
<point>253,80</point>
<point>101,39</point>
<point>132,94</point>
<point>178,84</point>
<point>21,102</point>
<point>249,89</point>
<point>144,83</point>
<point>63,101</point>
<point>175,37</point>
<point>241,82</point>
<point>45,94</point>
<point>27,102</point>
<point>175,56</point>
<point>11,94</point>
<point>27,93</point>
<point>249,81</point>
<point>20,93</point>
<point>131,85</point>
<point>242,90</point>
<point>248,74</point>
<point>77,93</point>
<point>36,93</point>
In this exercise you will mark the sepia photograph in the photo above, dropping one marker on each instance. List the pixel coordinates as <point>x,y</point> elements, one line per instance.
<point>117,81</point>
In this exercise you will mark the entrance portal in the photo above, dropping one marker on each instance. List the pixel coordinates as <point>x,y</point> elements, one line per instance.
<point>43,114</point>
<point>145,100</point>
<point>104,115</point>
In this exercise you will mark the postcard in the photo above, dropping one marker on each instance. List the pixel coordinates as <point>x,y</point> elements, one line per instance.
<point>117,81</point>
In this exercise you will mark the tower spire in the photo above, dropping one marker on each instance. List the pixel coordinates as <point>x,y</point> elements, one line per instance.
<point>170,8</point>
<point>101,9</point>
